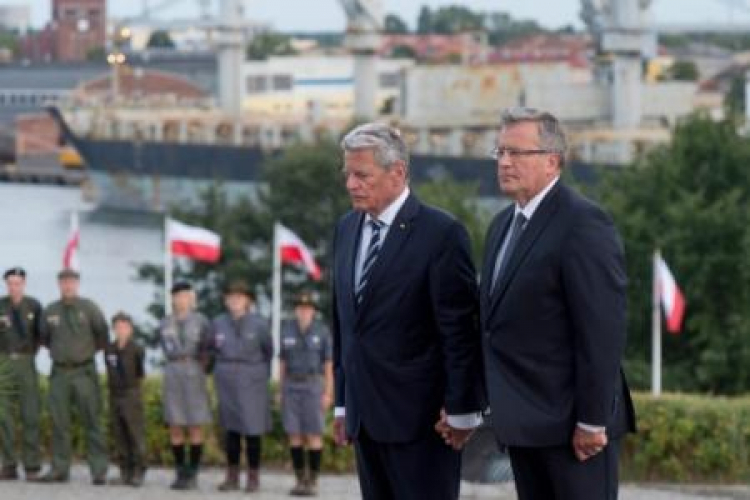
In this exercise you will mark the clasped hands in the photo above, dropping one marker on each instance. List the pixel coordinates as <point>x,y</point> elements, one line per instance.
<point>453,437</point>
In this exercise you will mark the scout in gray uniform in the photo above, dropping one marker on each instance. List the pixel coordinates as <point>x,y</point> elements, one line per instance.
<point>306,375</point>
<point>20,317</point>
<point>185,337</point>
<point>125,359</point>
<point>74,329</point>
<point>243,352</point>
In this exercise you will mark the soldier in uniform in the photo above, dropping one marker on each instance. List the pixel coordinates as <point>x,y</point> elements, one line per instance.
<point>20,317</point>
<point>306,376</point>
<point>243,352</point>
<point>125,371</point>
<point>185,337</point>
<point>74,329</point>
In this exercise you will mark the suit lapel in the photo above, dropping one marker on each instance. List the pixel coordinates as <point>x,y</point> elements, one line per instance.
<point>349,244</point>
<point>397,235</point>
<point>538,223</point>
<point>492,247</point>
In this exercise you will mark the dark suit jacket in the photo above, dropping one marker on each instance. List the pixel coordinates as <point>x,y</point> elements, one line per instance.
<point>413,346</point>
<point>554,328</point>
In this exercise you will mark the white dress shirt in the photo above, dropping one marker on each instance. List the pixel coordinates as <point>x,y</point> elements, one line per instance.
<point>386,218</point>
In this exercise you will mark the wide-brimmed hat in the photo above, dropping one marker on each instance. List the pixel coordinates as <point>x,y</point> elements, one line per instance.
<point>181,286</point>
<point>239,286</point>
<point>305,299</point>
<point>68,274</point>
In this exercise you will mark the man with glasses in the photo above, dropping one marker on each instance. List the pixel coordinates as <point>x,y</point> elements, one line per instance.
<point>552,300</point>
<point>406,347</point>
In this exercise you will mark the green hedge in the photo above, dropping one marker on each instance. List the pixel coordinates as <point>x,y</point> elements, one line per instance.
<point>689,439</point>
<point>680,439</point>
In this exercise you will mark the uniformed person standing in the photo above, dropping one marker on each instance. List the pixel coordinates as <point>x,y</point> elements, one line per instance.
<point>20,318</point>
<point>306,373</point>
<point>125,371</point>
<point>243,353</point>
<point>185,337</point>
<point>74,329</point>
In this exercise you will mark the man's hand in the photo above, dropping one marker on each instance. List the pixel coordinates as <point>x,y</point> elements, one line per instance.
<point>455,438</point>
<point>339,432</point>
<point>587,444</point>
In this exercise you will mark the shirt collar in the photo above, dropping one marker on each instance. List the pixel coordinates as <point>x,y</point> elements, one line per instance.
<point>533,204</point>
<point>388,215</point>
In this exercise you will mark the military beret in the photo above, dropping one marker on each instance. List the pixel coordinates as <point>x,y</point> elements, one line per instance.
<point>122,316</point>
<point>68,273</point>
<point>239,286</point>
<point>181,286</point>
<point>305,299</point>
<point>14,271</point>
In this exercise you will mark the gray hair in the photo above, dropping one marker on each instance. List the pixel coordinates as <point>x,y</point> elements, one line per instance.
<point>386,143</point>
<point>551,133</point>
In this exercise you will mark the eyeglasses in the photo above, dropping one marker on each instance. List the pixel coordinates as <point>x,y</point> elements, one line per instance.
<point>513,153</point>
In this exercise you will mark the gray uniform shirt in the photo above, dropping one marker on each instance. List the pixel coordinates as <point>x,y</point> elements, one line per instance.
<point>305,353</point>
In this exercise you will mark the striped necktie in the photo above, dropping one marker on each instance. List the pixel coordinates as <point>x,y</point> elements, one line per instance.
<point>372,255</point>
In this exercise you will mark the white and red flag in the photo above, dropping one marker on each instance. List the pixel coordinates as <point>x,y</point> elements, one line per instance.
<point>193,242</point>
<point>70,254</point>
<point>671,297</point>
<point>294,251</point>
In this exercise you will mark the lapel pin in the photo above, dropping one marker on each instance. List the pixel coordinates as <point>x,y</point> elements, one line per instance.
<point>402,226</point>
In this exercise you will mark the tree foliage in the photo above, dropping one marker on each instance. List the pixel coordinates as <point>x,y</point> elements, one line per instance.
<point>269,44</point>
<point>394,25</point>
<point>160,39</point>
<point>690,199</point>
<point>684,71</point>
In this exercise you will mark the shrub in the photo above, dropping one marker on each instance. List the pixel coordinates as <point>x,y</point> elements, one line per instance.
<point>689,439</point>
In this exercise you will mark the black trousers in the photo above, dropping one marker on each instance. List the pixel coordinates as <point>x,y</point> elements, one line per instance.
<point>556,474</point>
<point>420,470</point>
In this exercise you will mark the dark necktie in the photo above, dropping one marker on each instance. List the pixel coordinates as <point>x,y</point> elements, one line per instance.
<point>505,253</point>
<point>372,255</point>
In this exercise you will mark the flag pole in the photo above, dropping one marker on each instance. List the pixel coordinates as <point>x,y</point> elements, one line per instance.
<point>656,329</point>
<point>167,269</point>
<point>276,299</point>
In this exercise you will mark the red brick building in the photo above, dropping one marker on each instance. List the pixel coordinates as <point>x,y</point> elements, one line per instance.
<point>77,27</point>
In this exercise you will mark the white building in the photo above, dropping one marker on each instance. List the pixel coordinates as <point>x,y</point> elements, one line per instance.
<point>315,88</point>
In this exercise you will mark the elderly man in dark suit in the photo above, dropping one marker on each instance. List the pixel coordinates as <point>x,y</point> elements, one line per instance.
<point>406,343</point>
<point>553,313</point>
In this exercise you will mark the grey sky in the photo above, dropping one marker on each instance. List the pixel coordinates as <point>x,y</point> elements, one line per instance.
<point>314,15</point>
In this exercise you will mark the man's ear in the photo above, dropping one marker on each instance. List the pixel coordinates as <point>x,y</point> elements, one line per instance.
<point>399,167</point>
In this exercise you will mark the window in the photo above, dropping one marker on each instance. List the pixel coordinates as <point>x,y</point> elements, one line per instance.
<point>389,80</point>
<point>282,82</point>
<point>257,84</point>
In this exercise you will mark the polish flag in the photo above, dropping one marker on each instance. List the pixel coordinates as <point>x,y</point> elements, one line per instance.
<point>294,251</point>
<point>193,242</point>
<point>672,299</point>
<point>70,256</point>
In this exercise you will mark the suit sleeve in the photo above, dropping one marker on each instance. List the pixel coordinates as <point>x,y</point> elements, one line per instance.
<point>454,297</point>
<point>338,368</point>
<point>595,283</point>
